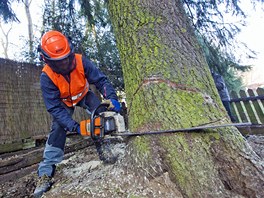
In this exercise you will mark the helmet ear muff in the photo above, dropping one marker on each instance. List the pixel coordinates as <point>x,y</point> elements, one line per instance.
<point>41,53</point>
<point>70,43</point>
<point>41,57</point>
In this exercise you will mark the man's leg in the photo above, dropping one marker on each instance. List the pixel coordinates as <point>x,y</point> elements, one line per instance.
<point>53,154</point>
<point>54,150</point>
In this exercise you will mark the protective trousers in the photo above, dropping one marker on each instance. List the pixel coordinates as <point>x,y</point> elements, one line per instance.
<point>54,148</point>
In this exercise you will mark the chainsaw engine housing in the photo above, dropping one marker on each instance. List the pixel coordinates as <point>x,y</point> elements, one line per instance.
<point>112,122</point>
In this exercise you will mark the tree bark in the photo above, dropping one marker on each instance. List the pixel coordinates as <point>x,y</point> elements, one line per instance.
<point>168,86</point>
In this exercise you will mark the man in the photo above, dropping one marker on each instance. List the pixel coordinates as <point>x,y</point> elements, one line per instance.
<point>65,83</point>
<point>223,92</point>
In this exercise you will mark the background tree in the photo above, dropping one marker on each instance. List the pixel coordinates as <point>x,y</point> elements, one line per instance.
<point>6,12</point>
<point>61,16</point>
<point>100,41</point>
<point>30,31</point>
<point>7,15</point>
<point>5,41</point>
<point>168,86</point>
<point>91,37</point>
<point>217,24</point>
<point>224,64</point>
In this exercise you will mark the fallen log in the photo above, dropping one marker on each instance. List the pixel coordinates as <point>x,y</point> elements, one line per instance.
<point>17,174</point>
<point>25,160</point>
<point>8,177</point>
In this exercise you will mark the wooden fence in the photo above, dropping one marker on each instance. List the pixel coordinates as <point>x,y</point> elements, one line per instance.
<point>248,106</point>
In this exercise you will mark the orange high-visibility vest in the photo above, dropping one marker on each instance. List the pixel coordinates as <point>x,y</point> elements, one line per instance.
<point>70,92</point>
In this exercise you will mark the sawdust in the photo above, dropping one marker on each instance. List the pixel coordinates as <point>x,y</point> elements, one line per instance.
<point>95,179</point>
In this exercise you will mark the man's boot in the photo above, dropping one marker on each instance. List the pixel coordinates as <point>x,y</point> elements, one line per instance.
<point>43,185</point>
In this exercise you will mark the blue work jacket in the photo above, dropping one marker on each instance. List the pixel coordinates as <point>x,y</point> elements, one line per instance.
<point>52,100</point>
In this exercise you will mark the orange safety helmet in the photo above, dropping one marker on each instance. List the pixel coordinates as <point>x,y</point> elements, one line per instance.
<point>57,51</point>
<point>55,46</point>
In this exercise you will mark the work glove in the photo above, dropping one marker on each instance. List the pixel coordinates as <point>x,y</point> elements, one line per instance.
<point>114,105</point>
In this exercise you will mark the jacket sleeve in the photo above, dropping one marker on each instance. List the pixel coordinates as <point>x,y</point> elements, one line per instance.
<point>96,77</point>
<point>51,97</point>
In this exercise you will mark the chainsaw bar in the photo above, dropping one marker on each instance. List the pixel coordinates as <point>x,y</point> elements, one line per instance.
<point>127,133</point>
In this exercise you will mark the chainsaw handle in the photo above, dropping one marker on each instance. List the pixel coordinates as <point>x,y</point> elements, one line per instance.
<point>92,123</point>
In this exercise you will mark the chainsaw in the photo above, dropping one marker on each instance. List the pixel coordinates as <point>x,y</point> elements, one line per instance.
<point>101,124</point>
<point>112,123</point>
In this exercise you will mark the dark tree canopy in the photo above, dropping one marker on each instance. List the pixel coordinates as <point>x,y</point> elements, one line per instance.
<point>6,12</point>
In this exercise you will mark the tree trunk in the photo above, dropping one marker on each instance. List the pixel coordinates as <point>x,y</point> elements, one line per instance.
<point>169,86</point>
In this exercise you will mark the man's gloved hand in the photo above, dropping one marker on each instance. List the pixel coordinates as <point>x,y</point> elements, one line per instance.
<point>114,105</point>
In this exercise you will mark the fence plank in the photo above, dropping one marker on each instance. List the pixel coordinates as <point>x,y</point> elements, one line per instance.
<point>249,108</point>
<point>234,108</point>
<point>241,115</point>
<point>260,92</point>
<point>243,104</point>
<point>258,106</point>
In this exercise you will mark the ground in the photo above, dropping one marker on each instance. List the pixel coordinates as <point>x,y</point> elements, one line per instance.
<point>82,174</point>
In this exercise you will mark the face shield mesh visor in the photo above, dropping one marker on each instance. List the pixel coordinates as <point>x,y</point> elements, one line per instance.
<point>64,66</point>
